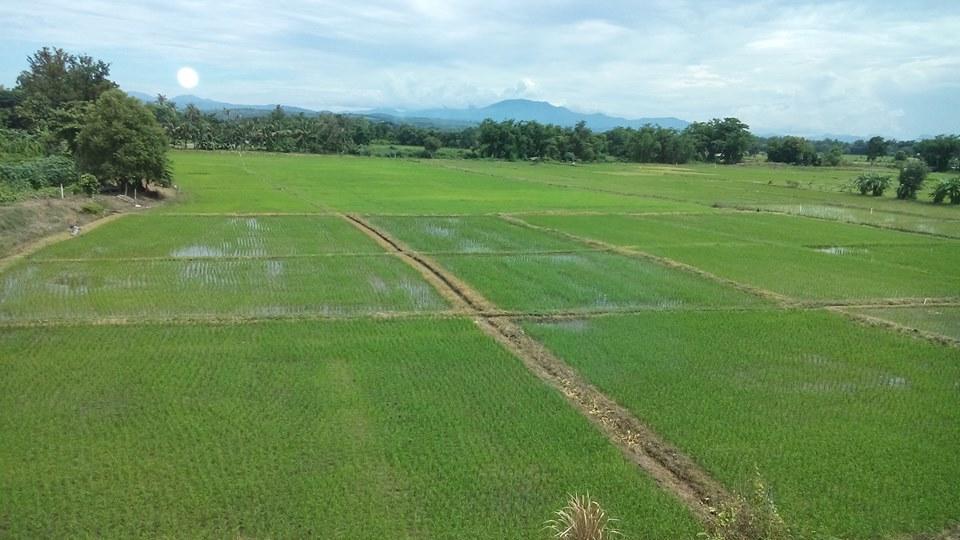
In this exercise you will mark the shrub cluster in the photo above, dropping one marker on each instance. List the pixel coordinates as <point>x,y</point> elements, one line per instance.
<point>38,173</point>
<point>947,190</point>
<point>871,183</point>
<point>912,176</point>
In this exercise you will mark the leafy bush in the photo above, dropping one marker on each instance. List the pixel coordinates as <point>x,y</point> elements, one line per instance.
<point>834,157</point>
<point>16,144</point>
<point>88,184</point>
<point>871,183</point>
<point>912,176</point>
<point>431,144</point>
<point>93,208</point>
<point>38,173</point>
<point>8,194</point>
<point>947,189</point>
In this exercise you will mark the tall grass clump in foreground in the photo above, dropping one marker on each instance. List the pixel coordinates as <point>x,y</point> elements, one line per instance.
<point>751,518</point>
<point>582,519</point>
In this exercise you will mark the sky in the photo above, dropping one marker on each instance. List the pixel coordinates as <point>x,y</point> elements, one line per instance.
<point>880,67</point>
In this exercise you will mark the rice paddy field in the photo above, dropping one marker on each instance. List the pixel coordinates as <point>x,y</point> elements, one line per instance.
<point>301,346</point>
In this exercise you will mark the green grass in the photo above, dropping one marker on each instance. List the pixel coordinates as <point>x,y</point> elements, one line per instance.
<point>943,320</point>
<point>425,428</point>
<point>225,182</point>
<point>350,429</point>
<point>470,235</point>
<point>798,257</point>
<point>157,235</point>
<point>587,281</point>
<point>318,286</point>
<point>728,227</point>
<point>709,185</point>
<point>854,428</point>
<point>813,275</point>
<point>500,260</point>
<point>899,219</point>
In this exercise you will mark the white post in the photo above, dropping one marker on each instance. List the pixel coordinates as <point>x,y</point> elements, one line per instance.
<point>61,191</point>
<point>134,193</point>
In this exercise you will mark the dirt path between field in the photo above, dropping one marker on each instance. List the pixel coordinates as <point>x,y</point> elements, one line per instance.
<point>950,533</point>
<point>32,247</point>
<point>878,322</point>
<point>881,226</point>
<point>228,318</point>
<point>670,468</point>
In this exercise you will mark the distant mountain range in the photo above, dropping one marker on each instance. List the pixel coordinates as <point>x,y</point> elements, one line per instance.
<point>511,109</point>
<point>218,107</point>
<point>525,109</point>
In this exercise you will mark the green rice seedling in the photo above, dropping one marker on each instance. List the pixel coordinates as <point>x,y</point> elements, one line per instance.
<point>227,182</point>
<point>826,408</point>
<point>468,234</point>
<point>899,220</point>
<point>589,282</point>
<point>213,287</point>
<point>800,258</point>
<point>191,237</point>
<point>943,320</point>
<point>341,429</point>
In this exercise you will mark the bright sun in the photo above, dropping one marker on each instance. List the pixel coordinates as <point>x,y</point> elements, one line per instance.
<point>187,77</point>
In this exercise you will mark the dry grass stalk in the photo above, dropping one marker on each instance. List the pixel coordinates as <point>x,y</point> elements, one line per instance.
<point>582,519</point>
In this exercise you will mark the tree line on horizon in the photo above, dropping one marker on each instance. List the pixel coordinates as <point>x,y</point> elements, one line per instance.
<point>65,117</point>
<point>726,140</point>
<point>719,140</point>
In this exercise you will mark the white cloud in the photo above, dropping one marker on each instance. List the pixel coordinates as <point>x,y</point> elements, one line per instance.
<point>808,66</point>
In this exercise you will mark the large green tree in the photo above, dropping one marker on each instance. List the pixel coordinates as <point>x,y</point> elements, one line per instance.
<point>724,140</point>
<point>122,144</point>
<point>876,148</point>
<point>912,176</point>
<point>56,79</point>
<point>940,151</point>
<point>790,149</point>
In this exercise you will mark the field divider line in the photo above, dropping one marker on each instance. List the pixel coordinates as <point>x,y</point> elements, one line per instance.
<point>574,213</point>
<point>247,214</point>
<point>895,302</point>
<point>855,223</point>
<point>170,258</point>
<point>332,255</point>
<point>952,532</point>
<point>783,300</point>
<point>877,322</point>
<point>670,468</point>
<point>546,315</point>
<point>30,248</point>
<point>217,320</point>
<point>897,211</point>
